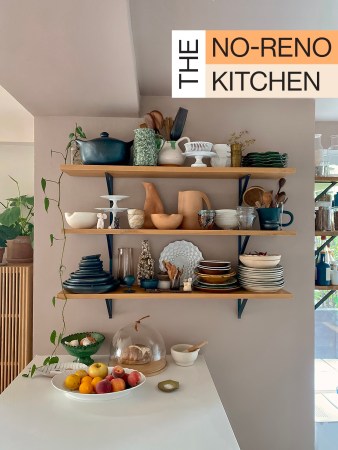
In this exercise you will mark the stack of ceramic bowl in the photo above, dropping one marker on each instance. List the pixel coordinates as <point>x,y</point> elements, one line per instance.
<point>90,278</point>
<point>261,273</point>
<point>226,219</point>
<point>215,276</point>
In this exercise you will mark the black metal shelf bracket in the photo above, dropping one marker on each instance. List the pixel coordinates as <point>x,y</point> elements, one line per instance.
<point>323,299</point>
<point>242,243</point>
<point>110,187</point>
<point>241,303</point>
<point>242,187</point>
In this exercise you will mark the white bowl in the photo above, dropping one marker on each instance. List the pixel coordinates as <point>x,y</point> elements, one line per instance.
<point>183,359</point>
<point>260,262</point>
<point>226,211</point>
<point>81,219</point>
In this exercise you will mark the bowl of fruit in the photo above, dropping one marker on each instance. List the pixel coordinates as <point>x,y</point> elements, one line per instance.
<point>83,345</point>
<point>99,382</point>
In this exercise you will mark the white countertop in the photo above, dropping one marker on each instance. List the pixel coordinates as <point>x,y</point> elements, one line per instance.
<point>35,416</point>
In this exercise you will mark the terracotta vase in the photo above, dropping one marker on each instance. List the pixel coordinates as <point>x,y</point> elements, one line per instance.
<point>19,250</point>
<point>152,204</point>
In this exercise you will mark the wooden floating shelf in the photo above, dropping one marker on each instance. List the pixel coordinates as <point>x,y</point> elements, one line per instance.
<point>141,294</point>
<point>326,233</point>
<point>179,232</point>
<point>331,287</point>
<point>176,172</point>
<point>326,179</point>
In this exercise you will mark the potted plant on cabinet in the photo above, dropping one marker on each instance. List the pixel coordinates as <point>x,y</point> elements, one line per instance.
<point>6,233</point>
<point>16,221</point>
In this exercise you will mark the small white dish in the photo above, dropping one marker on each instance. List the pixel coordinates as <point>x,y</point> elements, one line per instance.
<point>81,219</point>
<point>181,358</point>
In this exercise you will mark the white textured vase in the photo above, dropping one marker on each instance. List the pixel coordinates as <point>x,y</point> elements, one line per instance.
<point>135,218</point>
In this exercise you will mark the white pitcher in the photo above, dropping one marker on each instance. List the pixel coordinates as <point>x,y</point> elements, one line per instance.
<point>171,154</point>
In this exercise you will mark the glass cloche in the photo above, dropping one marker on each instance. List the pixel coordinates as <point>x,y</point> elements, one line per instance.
<point>138,347</point>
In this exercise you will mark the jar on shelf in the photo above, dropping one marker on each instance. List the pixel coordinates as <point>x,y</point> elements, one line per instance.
<point>125,264</point>
<point>246,217</point>
<point>323,219</point>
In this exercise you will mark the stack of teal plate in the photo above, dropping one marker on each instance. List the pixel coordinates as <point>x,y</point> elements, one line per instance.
<point>90,278</point>
<point>267,159</point>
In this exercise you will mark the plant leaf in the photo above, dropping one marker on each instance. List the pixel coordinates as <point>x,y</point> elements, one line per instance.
<point>52,337</point>
<point>25,375</point>
<point>59,338</point>
<point>54,360</point>
<point>51,237</point>
<point>43,184</point>
<point>71,135</point>
<point>46,361</point>
<point>53,301</point>
<point>46,202</point>
<point>10,216</point>
<point>33,369</point>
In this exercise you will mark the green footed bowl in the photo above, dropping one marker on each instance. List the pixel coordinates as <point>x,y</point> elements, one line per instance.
<point>83,353</point>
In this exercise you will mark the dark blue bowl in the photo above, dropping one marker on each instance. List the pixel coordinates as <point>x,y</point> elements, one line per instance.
<point>149,284</point>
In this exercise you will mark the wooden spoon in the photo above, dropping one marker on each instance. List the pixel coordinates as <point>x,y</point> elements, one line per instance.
<point>280,197</point>
<point>281,183</point>
<point>195,347</point>
<point>267,198</point>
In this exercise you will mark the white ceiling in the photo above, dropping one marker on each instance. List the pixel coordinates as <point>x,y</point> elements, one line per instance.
<point>86,57</point>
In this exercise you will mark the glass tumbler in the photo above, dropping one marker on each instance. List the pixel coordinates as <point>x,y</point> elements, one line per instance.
<point>246,217</point>
<point>125,264</point>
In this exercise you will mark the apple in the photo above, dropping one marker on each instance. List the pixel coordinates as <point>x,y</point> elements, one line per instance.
<point>134,378</point>
<point>98,369</point>
<point>118,384</point>
<point>103,387</point>
<point>109,377</point>
<point>118,372</point>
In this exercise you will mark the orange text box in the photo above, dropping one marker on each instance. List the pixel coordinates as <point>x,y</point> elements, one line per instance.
<point>271,47</point>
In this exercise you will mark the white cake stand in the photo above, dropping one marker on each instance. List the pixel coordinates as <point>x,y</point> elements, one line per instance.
<point>114,199</point>
<point>199,155</point>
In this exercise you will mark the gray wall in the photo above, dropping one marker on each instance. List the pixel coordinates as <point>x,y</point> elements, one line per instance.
<point>262,365</point>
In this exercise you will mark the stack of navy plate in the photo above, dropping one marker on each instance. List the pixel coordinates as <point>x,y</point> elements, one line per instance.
<point>90,278</point>
<point>267,159</point>
<point>261,280</point>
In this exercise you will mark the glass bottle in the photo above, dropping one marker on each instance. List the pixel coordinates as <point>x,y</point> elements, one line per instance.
<point>321,157</point>
<point>125,264</point>
<point>323,272</point>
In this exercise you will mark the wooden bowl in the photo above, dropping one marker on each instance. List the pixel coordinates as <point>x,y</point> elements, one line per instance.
<point>214,279</point>
<point>166,221</point>
<point>214,263</point>
<point>213,271</point>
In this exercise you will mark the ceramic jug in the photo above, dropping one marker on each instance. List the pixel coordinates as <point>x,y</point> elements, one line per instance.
<point>171,154</point>
<point>152,204</point>
<point>189,203</point>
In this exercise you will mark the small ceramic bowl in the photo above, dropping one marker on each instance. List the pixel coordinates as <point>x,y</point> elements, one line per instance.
<point>183,359</point>
<point>166,221</point>
<point>149,284</point>
<point>81,219</point>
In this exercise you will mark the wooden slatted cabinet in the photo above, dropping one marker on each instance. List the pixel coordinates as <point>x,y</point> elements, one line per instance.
<point>16,304</point>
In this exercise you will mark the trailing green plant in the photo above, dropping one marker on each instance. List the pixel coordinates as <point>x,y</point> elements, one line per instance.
<point>55,336</point>
<point>16,219</point>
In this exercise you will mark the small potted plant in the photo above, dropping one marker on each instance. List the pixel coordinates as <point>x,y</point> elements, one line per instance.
<point>6,233</point>
<point>238,144</point>
<point>17,227</point>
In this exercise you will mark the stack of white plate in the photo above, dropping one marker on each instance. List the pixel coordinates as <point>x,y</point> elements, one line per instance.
<point>261,280</point>
<point>226,219</point>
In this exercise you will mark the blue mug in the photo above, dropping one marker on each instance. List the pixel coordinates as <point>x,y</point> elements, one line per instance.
<point>269,218</point>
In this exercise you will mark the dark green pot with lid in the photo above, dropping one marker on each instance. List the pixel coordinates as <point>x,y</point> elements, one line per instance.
<point>105,150</point>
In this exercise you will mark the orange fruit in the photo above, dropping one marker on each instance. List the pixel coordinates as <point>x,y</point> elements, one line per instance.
<point>96,380</point>
<point>81,373</point>
<point>72,382</point>
<point>87,379</point>
<point>86,388</point>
